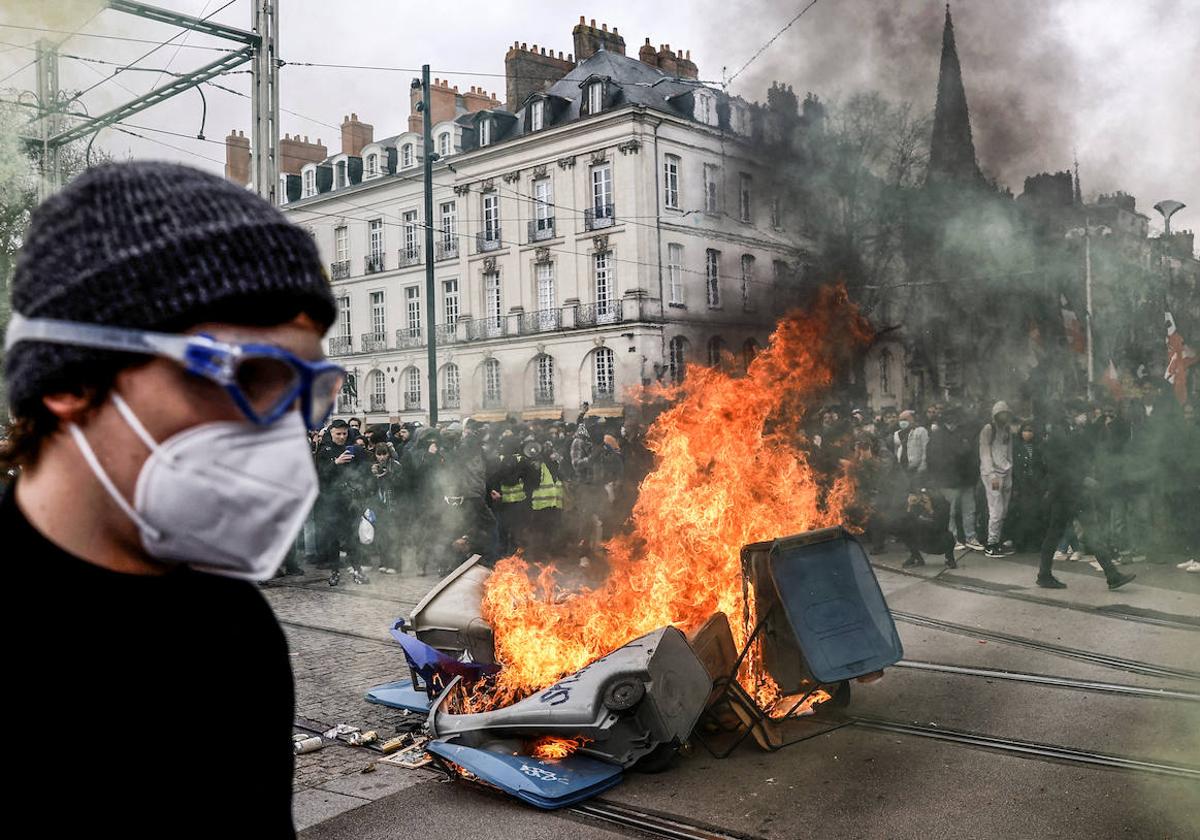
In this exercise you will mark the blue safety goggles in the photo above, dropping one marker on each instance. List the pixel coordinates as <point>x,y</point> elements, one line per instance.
<point>263,380</point>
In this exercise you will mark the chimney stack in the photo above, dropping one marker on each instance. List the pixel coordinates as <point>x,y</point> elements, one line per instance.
<point>589,40</point>
<point>237,158</point>
<point>355,135</point>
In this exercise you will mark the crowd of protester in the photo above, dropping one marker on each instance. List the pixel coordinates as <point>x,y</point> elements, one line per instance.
<point>393,494</point>
<point>1107,483</point>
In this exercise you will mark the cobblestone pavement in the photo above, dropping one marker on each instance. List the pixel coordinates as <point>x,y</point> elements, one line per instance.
<point>340,647</point>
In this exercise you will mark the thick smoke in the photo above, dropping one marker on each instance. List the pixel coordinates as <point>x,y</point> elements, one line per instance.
<point>1110,79</point>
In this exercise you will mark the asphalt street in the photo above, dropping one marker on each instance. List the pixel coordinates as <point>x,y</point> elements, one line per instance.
<point>1092,661</point>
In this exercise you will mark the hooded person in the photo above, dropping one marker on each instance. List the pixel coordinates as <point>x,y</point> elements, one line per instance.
<point>910,443</point>
<point>163,362</point>
<point>995,470</point>
<point>513,479</point>
<point>953,459</point>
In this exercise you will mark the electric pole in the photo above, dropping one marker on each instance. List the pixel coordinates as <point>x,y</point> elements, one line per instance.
<point>265,102</point>
<point>430,300</point>
<point>48,124</point>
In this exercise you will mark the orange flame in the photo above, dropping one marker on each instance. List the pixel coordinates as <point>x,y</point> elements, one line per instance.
<point>727,472</point>
<point>551,747</point>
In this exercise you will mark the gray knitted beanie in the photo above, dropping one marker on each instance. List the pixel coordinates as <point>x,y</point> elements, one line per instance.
<point>155,246</point>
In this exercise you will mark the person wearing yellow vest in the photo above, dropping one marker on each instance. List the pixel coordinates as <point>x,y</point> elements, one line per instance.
<point>515,480</point>
<point>546,505</point>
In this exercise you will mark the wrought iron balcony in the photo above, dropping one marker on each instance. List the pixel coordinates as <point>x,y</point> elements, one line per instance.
<point>487,240</point>
<point>481,328</point>
<point>410,256</point>
<point>542,320</point>
<point>543,395</point>
<point>374,342</point>
<point>374,263</point>
<point>451,333</point>
<point>341,346</point>
<point>591,314</point>
<point>540,229</point>
<point>446,249</point>
<point>346,404</point>
<point>412,401</point>
<point>493,401</point>
<point>451,399</point>
<point>377,403</point>
<point>599,216</point>
<point>409,337</point>
<point>339,270</point>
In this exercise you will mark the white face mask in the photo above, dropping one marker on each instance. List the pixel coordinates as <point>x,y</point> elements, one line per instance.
<point>904,424</point>
<point>226,498</point>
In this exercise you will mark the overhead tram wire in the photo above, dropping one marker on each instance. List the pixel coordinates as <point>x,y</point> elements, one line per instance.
<point>179,46</point>
<point>772,40</point>
<point>107,37</point>
<point>148,53</point>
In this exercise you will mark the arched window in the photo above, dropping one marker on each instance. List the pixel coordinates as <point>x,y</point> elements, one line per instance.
<point>885,371</point>
<point>677,359</point>
<point>604,385</point>
<point>749,351</point>
<point>451,393</point>
<point>716,351</point>
<point>543,387</point>
<point>412,389</point>
<point>492,397</point>
<point>372,165</point>
<point>406,155</point>
<point>378,391</point>
<point>444,145</point>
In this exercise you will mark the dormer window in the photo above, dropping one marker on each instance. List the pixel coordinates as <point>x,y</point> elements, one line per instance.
<point>595,97</point>
<point>406,156</point>
<point>310,182</point>
<point>372,165</point>
<point>485,132</point>
<point>444,146</point>
<point>706,111</point>
<point>537,114</point>
<point>341,174</point>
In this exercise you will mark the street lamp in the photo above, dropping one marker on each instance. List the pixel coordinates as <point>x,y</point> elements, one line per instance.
<point>1087,231</point>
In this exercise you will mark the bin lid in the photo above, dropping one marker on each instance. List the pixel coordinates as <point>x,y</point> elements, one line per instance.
<point>834,605</point>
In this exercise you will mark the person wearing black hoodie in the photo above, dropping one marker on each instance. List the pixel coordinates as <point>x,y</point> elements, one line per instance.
<point>954,469</point>
<point>1071,492</point>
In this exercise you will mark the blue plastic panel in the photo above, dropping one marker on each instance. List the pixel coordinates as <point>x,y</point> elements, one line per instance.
<point>545,784</point>
<point>835,607</point>
<point>400,695</point>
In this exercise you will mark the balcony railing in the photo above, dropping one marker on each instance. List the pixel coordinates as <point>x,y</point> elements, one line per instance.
<point>377,403</point>
<point>591,314</point>
<point>412,401</point>
<point>540,229</point>
<point>339,270</point>
<point>409,337</point>
<point>487,240</point>
<point>599,216</point>
<point>574,317</point>
<point>543,396</point>
<point>493,401</point>
<point>446,249</point>
<point>373,263</point>
<point>410,256</point>
<point>603,395</point>
<point>346,405</point>
<point>451,399</point>
<point>542,320</point>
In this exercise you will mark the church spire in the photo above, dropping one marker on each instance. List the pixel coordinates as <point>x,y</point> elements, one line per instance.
<point>952,151</point>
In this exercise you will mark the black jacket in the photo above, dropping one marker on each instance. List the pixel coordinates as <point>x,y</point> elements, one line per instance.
<point>952,457</point>
<point>141,667</point>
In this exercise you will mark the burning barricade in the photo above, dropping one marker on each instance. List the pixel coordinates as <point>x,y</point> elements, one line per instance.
<point>549,692</point>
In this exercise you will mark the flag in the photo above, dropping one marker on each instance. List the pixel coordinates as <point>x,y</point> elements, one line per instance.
<point>1112,381</point>
<point>1180,357</point>
<point>1076,339</point>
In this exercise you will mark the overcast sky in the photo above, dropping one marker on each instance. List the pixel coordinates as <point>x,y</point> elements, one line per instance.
<point>1113,79</point>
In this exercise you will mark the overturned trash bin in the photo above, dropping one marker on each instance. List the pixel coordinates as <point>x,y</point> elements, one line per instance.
<point>822,621</point>
<point>634,704</point>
